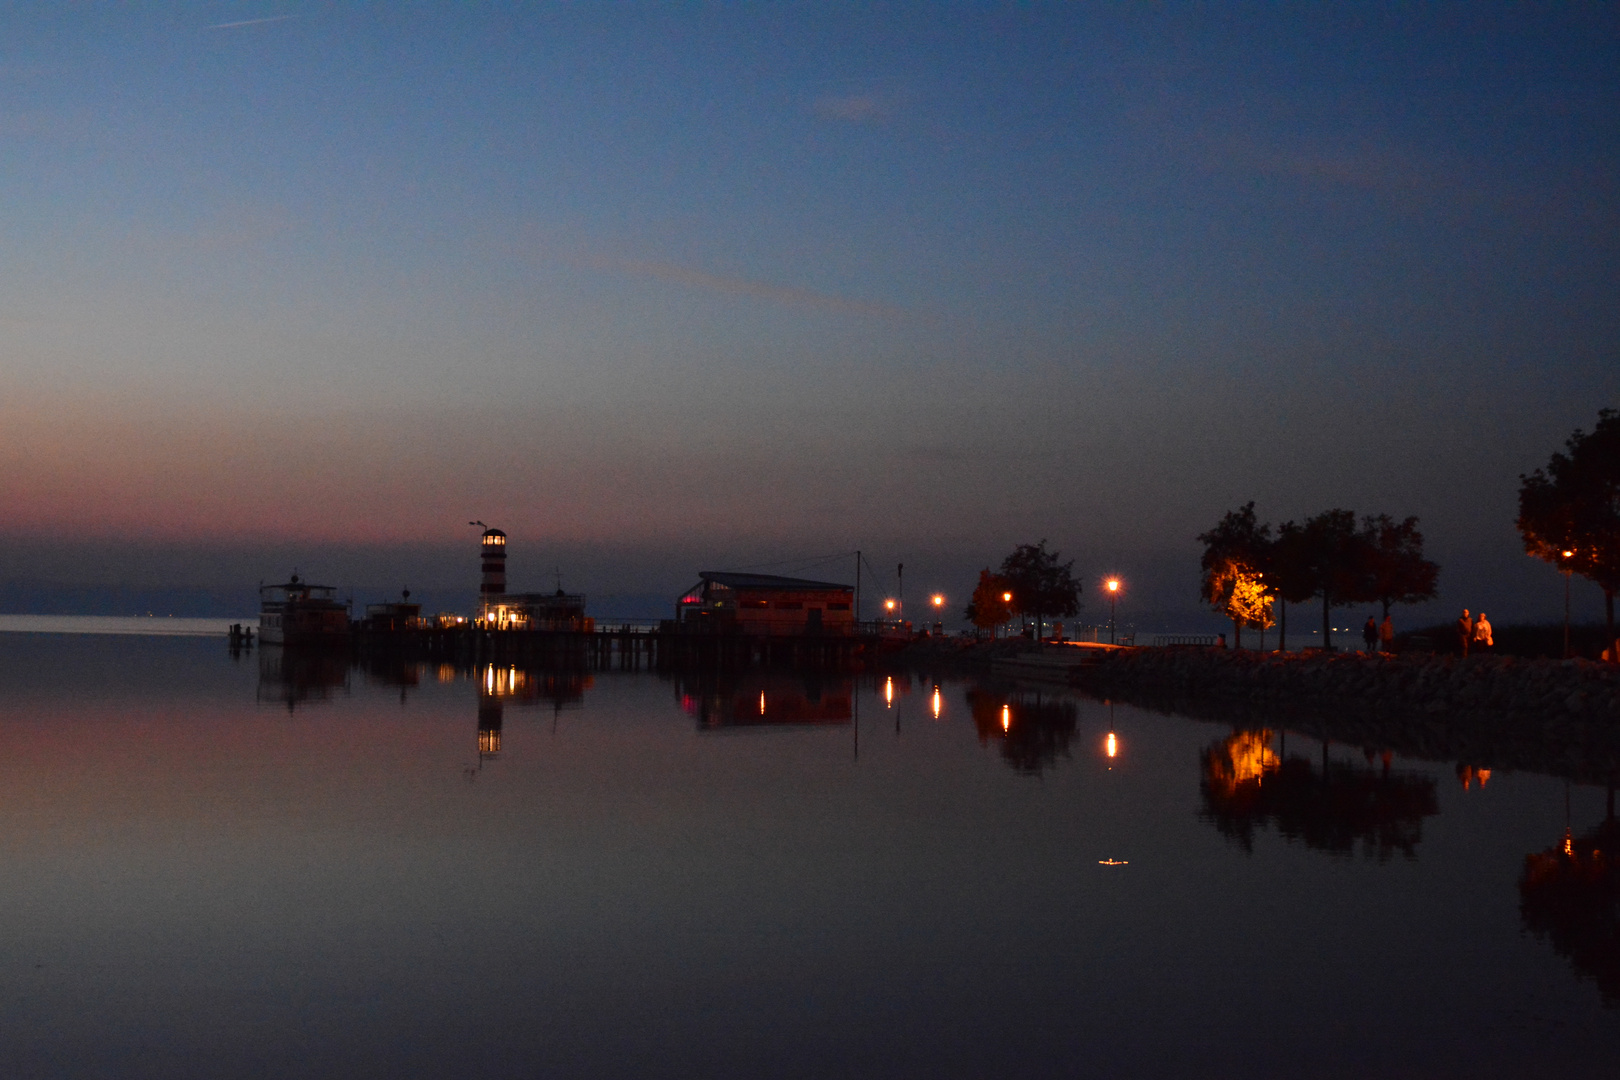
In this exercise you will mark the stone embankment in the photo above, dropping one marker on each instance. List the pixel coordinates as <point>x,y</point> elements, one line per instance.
<point>1541,690</point>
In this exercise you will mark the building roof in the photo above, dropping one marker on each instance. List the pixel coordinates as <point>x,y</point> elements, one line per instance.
<point>768,581</point>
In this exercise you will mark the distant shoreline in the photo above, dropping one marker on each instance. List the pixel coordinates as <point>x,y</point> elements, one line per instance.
<point>122,625</point>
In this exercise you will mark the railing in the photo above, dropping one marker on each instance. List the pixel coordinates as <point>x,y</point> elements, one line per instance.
<point>1161,641</point>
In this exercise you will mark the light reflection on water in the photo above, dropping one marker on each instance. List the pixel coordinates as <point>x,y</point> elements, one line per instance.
<point>278,867</point>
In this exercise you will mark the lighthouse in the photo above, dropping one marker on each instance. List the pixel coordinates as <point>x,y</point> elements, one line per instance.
<point>493,585</point>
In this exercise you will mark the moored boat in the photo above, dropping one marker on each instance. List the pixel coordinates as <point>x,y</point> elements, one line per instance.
<point>299,613</point>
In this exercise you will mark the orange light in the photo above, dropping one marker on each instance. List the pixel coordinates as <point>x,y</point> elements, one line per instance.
<point>939,600</point>
<point>889,604</point>
<point>1111,745</point>
<point>762,703</point>
<point>1113,584</point>
<point>1006,597</point>
<point>936,703</point>
<point>1006,717</point>
<point>1569,554</point>
<point>888,692</point>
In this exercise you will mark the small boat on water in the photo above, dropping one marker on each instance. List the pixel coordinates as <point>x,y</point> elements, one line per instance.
<point>299,613</point>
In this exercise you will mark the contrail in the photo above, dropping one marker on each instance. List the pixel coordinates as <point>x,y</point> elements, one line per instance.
<point>251,22</point>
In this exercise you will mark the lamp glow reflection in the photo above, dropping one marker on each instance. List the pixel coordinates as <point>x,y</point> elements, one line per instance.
<point>936,703</point>
<point>1111,745</point>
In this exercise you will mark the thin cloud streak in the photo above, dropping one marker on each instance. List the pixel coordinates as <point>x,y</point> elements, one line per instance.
<point>740,286</point>
<point>251,22</point>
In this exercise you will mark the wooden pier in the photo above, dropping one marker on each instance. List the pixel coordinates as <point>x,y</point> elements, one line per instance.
<point>625,647</point>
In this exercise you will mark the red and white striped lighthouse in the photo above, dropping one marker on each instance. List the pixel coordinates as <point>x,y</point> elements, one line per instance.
<point>493,585</point>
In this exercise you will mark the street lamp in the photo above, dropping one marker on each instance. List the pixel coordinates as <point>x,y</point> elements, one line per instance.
<point>939,624</point>
<point>1006,598</point>
<point>1568,555</point>
<point>1112,584</point>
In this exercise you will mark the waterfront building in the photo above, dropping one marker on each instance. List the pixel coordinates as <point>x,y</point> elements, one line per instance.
<point>765,605</point>
<point>535,611</point>
<point>395,615</point>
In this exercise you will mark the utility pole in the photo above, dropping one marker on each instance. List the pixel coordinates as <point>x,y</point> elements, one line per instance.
<point>857,587</point>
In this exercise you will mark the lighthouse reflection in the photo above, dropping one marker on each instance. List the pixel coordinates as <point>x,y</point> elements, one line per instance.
<point>1247,785</point>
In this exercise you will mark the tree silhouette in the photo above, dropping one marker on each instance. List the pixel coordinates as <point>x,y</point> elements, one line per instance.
<point>1291,574</point>
<point>1395,570</point>
<point>1338,557</point>
<point>1040,584</point>
<point>987,610</point>
<point>1573,505</point>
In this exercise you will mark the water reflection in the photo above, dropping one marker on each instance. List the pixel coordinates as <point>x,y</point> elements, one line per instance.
<point>1247,785</point>
<point>1570,895</point>
<point>1032,729</point>
<point>758,697</point>
<point>294,677</point>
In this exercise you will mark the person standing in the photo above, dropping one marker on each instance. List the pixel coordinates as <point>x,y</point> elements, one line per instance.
<point>1386,635</point>
<point>1369,633</point>
<point>1482,634</point>
<point>1465,631</point>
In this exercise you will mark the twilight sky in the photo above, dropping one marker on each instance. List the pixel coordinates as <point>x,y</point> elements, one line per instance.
<point>666,287</point>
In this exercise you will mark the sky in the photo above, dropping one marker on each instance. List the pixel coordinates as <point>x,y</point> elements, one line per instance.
<point>668,287</point>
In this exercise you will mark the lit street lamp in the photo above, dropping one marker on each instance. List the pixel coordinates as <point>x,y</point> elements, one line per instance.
<point>1112,585</point>
<point>1006,598</point>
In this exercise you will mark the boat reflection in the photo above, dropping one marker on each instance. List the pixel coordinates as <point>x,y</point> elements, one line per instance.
<point>294,677</point>
<point>1570,895</point>
<point>1031,728</point>
<point>1247,785</point>
<point>765,698</point>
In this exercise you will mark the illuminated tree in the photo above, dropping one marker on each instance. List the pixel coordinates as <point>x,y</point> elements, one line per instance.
<point>987,610</point>
<point>1040,584</point>
<point>1235,549</point>
<point>1573,505</point>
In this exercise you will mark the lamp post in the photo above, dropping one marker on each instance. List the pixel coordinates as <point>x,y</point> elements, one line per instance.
<point>939,624</point>
<point>1568,555</point>
<point>1113,591</point>
<point>1006,598</point>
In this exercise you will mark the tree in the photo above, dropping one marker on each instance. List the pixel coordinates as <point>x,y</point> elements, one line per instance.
<point>1040,584</point>
<point>1338,555</point>
<point>1236,549</point>
<point>1291,574</point>
<point>1395,570</point>
<point>1244,600</point>
<point>987,610</point>
<point>1573,505</point>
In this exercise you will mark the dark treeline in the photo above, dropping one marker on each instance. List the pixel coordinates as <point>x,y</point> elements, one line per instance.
<point>1251,570</point>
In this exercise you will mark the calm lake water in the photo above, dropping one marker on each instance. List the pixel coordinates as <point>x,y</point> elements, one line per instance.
<point>221,867</point>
